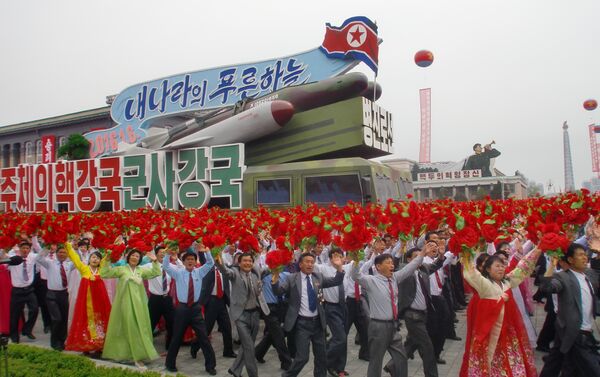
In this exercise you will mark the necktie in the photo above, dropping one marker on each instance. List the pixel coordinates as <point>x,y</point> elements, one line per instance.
<point>356,291</point>
<point>190,298</point>
<point>219,284</point>
<point>341,294</point>
<point>164,281</point>
<point>424,291</point>
<point>25,273</point>
<point>63,275</point>
<point>312,295</point>
<point>438,280</point>
<point>394,307</point>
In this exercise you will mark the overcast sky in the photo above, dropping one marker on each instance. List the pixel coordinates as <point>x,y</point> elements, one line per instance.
<point>511,71</point>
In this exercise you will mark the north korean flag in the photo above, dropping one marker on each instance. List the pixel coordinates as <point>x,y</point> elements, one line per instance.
<point>355,39</point>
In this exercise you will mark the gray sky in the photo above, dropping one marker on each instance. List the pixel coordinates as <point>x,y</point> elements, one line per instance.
<point>508,70</point>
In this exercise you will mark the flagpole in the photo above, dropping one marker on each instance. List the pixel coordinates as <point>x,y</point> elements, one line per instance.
<point>375,88</point>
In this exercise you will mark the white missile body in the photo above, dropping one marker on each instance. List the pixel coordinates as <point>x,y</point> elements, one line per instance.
<point>246,126</point>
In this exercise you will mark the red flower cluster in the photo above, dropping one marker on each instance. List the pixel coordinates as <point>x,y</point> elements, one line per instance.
<point>278,259</point>
<point>554,244</point>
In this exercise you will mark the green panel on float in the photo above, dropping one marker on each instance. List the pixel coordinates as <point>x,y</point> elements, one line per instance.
<point>325,132</point>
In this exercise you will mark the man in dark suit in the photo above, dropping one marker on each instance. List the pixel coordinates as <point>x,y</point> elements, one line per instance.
<point>414,305</point>
<point>575,349</point>
<point>215,298</point>
<point>305,314</point>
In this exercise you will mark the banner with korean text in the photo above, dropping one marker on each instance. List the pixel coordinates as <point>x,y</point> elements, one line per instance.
<point>187,178</point>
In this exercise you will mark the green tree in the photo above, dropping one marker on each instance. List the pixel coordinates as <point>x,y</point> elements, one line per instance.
<point>77,147</point>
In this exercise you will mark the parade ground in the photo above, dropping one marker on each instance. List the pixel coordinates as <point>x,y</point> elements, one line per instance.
<point>452,354</point>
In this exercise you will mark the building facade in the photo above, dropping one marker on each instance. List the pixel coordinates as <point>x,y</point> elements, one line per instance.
<point>441,180</point>
<point>22,142</point>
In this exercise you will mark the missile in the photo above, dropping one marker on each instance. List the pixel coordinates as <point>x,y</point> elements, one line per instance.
<point>241,128</point>
<point>302,97</point>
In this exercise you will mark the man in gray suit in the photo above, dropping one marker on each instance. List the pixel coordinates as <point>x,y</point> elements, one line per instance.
<point>575,350</point>
<point>245,302</point>
<point>305,314</point>
<point>414,305</point>
<point>382,294</point>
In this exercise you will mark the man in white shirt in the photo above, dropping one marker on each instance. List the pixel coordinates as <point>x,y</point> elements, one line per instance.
<point>160,303</point>
<point>22,293</point>
<point>335,312</point>
<point>57,297</point>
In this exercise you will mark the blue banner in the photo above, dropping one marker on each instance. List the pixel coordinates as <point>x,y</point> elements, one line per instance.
<point>136,107</point>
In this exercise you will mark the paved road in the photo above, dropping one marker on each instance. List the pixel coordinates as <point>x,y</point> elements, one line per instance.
<point>358,368</point>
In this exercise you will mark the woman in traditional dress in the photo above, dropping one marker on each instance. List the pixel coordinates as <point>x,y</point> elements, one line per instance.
<point>129,336</point>
<point>498,345</point>
<point>92,308</point>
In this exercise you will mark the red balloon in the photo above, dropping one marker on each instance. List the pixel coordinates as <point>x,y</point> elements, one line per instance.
<point>590,104</point>
<point>424,58</point>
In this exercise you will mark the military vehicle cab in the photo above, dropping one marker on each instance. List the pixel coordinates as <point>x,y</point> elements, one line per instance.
<point>323,182</point>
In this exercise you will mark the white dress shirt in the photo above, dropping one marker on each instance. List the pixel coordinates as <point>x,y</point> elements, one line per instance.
<point>349,285</point>
<point>433,279</point>
<point>155,285</point>
<point>587,307</point>
<point>214,290</point>
<point>419,302</point>
<point>332,294</point>
<point>304,310</point>
<point>16,272</point>
<point>53,275</point>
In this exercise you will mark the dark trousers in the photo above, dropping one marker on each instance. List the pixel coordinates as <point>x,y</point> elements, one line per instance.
<point>19,297</point>
<point>274,336</point>
<point>356,316</point>
<point>582,360</point>
<point>456,278</point>
<point>308,331</point>
<point>337,346</point>
<point>162,306</point>
<point>418,338</point>
<point>548,332</point>
<point>437,324</point>
<point>190,316</point>
<point>40,287</point>
<point>58,307</point>
<point>247,328</point>
<point>215,310</point>
<point>384,336</point>
<point>450,315</point>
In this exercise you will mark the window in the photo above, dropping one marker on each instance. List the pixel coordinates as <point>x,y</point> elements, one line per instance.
<point>38,151</point>
<point>61,141</point>
<point>337,189</point>
<point>385,188</point>
<point>29,156</point>
<point>273,191</point>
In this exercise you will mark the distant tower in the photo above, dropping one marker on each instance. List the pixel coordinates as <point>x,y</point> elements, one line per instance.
<point>425,150</point>
<point>569,180</point>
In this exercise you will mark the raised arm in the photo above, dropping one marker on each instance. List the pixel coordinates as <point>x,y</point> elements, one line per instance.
<point>75,258</point>
<point>166,265</point>
<point>206,267</point>
<point>154,271</point>
<point>524,268</point>
<point>107,271</point>
<point>409,269</point>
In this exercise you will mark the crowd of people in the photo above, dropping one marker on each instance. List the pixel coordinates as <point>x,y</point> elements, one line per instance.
<point>91,304</point>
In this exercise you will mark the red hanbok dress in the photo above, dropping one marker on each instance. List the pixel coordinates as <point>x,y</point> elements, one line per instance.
<point>92,310</point>
<point>497,343</point>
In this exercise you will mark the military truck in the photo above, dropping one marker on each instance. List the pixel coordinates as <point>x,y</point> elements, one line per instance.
<point>323,182</point>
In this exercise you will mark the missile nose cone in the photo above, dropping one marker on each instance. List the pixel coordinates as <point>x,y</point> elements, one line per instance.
<point>282,111</point>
